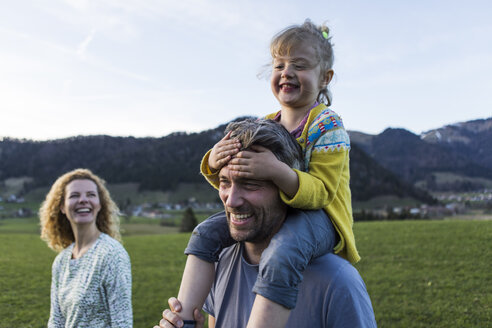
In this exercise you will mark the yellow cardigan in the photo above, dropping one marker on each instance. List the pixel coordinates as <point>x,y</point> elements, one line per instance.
<point>325,144</point>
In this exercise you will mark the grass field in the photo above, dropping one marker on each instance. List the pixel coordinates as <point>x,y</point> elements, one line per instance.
<point>418,273</point>
<point>120,193</point>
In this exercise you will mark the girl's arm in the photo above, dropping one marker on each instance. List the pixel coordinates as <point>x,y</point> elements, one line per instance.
<point>318,187</point>
<point>210,175</point>
<point>260,163</point>
<point>217,157</point>
<point>314,189</point>
<point>327,185</point>
<point>326,149</point>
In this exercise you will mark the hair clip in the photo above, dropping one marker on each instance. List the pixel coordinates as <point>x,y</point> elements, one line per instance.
<point>325,35</point>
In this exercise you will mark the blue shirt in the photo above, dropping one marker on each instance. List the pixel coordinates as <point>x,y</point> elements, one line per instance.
<point>332,294</point>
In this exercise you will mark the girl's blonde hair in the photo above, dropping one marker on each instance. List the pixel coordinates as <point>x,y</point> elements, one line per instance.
<point>55,227</point>
<point>317,36</point>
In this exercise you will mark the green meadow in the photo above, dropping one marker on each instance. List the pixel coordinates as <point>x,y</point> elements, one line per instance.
<point>418,273</point>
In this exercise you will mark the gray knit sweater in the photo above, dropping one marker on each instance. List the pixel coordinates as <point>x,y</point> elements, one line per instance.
<point>94,290</point>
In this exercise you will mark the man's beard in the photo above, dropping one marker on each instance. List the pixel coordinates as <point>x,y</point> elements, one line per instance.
<point>267,223</point>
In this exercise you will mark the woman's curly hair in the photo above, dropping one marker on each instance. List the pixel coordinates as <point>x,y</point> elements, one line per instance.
<point>55,227</point>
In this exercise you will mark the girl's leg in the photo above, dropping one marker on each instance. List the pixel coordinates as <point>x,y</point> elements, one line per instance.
<point>206,242</point>
<point>266,313</point>
<point>304,235</point>
<point>197,280</point>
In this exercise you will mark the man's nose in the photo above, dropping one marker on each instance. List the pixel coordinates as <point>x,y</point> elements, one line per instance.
<point>234,197</point>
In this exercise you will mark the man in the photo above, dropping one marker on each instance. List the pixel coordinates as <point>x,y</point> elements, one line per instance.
<point>332,293</point>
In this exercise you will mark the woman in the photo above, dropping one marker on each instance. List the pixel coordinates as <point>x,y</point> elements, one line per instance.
<point>91,277</point>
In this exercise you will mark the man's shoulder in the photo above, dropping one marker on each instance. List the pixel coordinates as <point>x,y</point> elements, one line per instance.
<point>332,268</point>
<point>336,294</point>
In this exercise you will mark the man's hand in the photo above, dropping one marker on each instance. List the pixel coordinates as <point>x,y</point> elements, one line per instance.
<point>170,317</point>
<point>222,152</point>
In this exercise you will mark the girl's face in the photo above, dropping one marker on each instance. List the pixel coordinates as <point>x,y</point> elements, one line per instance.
<point>296,78</point>
<point>81,203</point>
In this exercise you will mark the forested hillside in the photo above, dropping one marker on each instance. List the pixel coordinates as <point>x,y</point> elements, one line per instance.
<point>161,163</point>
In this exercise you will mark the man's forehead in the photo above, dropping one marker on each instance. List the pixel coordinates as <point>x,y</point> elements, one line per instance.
<point>225,173</point>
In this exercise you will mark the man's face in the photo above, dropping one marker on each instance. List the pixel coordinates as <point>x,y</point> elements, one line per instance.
<point>254,209</point>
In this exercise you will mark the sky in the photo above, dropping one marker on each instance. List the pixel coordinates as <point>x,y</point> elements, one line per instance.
<point>152,67</point>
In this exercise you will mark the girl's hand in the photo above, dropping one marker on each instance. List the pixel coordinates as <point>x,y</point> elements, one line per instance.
<point>260,163</point>
<point>222,152</point>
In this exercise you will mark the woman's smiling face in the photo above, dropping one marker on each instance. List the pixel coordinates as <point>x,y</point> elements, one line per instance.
<point>81,203</point>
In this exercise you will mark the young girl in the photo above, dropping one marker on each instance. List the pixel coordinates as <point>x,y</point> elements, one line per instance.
<point>302,58</point>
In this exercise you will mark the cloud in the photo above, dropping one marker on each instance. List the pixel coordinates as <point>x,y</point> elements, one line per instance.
<point>80,5</point>
<point>82,47</point>
<point>124,18</point>
<point>67,84</point>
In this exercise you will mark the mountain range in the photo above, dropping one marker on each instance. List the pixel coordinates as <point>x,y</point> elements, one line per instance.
<point>455,157</point>
<point>394,162</point>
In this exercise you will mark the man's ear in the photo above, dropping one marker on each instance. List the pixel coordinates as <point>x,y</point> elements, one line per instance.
<point>327,77</point>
